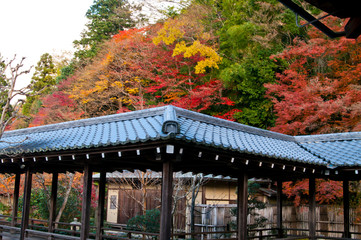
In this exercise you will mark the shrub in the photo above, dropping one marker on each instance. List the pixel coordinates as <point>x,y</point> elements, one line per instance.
<point>150,222</point>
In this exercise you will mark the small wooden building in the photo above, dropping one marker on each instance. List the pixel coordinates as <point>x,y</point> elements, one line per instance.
<point>125,187</point>
<point>170,139</point>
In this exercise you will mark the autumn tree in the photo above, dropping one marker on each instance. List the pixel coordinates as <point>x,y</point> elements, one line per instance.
<point>116,78</point>
<point>57,106</point>
<point>185,73</point>
<point>327,191</point>
<point>320,90</point>
<point>6,189</point>
<point>317,93</point>
<point>141,68</point>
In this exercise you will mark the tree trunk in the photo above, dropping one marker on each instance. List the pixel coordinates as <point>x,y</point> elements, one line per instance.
<point>66,197</point>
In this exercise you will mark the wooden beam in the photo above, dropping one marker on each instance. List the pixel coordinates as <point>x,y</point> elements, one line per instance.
<point>346,209</point>
<point>279,208</point>
<point>53,196</point>
<point>26,203</point>
<point>312,208</point>
<point>101,204</point>
<point>242,206</point>
<point>16,200</point>
<point>85,210</point>
<point>166,211</point>
<point>353,27</point>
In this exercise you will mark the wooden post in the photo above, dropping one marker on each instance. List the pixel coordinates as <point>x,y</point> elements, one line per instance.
<point>346,209</point>
<point>85,210</point>
<point>242,205</point>
<point>167,191</point>
<point>101,203</point>
<point>54,193</point>
<point>26,203</point>
<point>16,200</point>
<point>312,208</point>
<point>279,208</point>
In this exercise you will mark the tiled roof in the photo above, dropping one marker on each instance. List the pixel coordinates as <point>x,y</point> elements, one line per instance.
<point>170,122</point>
<point>339,149</point>
<point>118,129</point>
<point>211,131</point>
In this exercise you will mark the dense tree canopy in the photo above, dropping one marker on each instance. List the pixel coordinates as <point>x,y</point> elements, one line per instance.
<point>319,92</point>
<point>251,31</point>
<point>164,63</point>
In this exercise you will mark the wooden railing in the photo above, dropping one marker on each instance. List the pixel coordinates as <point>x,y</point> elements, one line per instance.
<point>69,231</point>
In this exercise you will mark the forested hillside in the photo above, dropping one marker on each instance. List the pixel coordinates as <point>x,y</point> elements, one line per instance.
<point>245,61</point>
<point>212,57</point>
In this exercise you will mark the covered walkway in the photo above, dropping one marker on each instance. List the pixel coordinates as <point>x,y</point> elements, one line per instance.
<point>171,139</point>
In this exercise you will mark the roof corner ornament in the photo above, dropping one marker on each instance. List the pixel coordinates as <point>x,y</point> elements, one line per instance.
<point>170,124</point>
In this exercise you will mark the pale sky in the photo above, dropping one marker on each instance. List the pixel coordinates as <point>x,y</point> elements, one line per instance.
<point>29,28</point>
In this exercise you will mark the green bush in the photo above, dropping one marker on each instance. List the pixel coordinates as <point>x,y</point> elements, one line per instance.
<point>150,222</point>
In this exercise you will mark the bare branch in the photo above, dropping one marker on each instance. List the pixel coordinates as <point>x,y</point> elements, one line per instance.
<point>9,73</point>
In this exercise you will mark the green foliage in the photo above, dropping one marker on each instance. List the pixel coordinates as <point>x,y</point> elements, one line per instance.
<point>106,18</point>
<point>44,75</point>
<point>5,209</point>
<point>251,31</point>
<point>39,204</point>
<point>65,72</point>
<point>42,83</point>
<point>171,12</point>
<point>150,222</point>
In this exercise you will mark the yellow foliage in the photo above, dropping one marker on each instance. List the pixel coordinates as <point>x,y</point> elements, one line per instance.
<point>132,90</point>
<point>117,84</point>
<point>188,27</point>
<point>101,85</point>
<point>212,59</point>
<point>170,32</point>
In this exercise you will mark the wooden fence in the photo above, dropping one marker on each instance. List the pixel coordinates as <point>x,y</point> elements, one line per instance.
<point>329,219</point>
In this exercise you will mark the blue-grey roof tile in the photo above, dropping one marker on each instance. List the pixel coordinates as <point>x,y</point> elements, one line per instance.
<point>339,149</point>
<point>148,125</point>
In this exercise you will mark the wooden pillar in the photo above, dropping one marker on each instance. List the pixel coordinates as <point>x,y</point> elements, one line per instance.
<point>242,206</point>
<point>26,203</point>
<point>312,208</point>
<point>167,191</point>
<point>15,200</point>
<point>101,203</point>
<point>54,193</point>
<point>279,209</point>
<point>85,210</point>
<point>346,209</point>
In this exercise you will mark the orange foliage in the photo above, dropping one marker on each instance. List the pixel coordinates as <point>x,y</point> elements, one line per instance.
<point>327,191</point>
